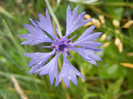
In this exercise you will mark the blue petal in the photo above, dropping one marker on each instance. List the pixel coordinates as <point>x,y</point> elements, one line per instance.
<point>86,40</point>
<point>34,23</point>
<point>89,44</point>
<point>74,15</point>
<point>86,33</point>
<point>50,68</point>
<point>80,24</point>
<point>38,59</point>
<point>46,24</point>
<point>68,72</point>
<point>88,55</point>
<point>92,36</point>
<point>25,36</point>
<point>74,21</point>
<point>87,36</point>
<point>35,36</point>
<point>68,15</point>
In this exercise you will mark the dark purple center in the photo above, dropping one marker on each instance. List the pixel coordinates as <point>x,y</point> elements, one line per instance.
<point>61,47</point>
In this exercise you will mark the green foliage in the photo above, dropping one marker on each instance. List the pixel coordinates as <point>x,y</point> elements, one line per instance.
<point>113,89</point>
<point>110,80</point>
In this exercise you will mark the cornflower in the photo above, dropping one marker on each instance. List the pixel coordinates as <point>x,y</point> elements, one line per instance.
<point>84,46</point>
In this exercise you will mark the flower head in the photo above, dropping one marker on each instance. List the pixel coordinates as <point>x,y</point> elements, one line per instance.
<point>84,46</point>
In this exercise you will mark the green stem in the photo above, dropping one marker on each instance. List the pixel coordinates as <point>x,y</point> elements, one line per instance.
<point>57,5</point>
<point>54,17</point>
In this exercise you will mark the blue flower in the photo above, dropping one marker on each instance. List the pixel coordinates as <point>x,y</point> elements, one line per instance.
<point>84,46</point>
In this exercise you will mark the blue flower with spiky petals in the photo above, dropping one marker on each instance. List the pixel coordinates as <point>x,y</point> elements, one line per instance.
<point>84,46</point>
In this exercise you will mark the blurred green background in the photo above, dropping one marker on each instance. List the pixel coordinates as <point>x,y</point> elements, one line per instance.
<point>113,79</point>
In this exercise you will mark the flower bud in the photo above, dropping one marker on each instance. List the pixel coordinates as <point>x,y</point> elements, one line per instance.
<point>116,23</point>
<point>128,24</point>
<point>101,18</point>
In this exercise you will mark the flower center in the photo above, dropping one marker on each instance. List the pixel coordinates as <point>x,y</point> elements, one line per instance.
<point>62,46</point>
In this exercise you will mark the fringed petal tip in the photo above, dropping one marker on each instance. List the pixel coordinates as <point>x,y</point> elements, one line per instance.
<point>30,19</point>
<point>23,43</point>
<point>27,54</point>
<point>46,11</point>
<point>88,20</point>
<point>85,79</point>
<point>24,54</point>
<point>20,35</point>
<point>38,13</point>
<point>57,82</point>
<point>68,7</point>
<point>27,66</point>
